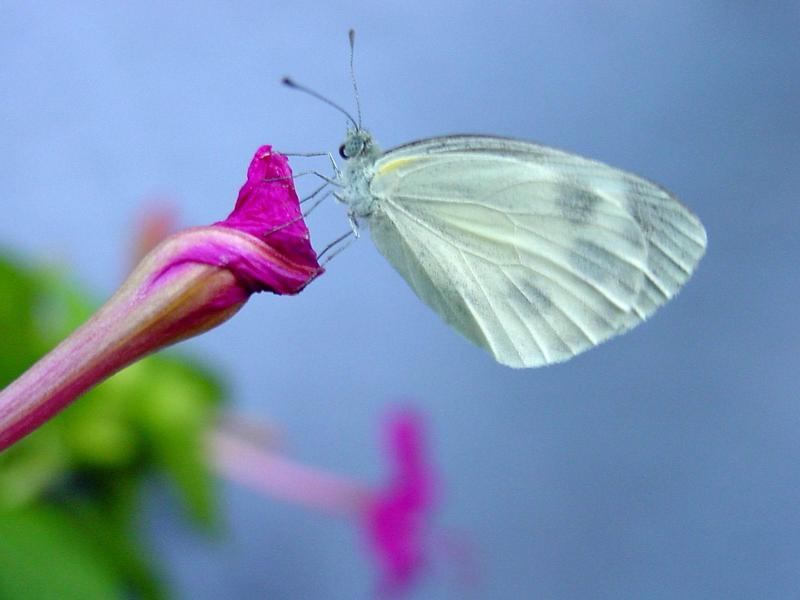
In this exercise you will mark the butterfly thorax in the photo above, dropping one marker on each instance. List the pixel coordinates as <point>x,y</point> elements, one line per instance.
<point>360,154</point>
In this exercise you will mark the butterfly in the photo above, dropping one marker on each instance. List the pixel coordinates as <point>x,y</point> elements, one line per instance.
<point>532,253</point>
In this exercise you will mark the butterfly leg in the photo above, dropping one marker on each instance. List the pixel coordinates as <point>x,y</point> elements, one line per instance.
<point>332,245</point>
<point>315,192</point>
<point>334,166</point>
<point>302,216</point>
<point>317,203</point>
<point>325,178</point>
<point>355,228</point>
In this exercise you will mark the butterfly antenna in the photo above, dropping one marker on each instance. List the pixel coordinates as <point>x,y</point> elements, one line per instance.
<point>352,37</point>
<point>293,84</point>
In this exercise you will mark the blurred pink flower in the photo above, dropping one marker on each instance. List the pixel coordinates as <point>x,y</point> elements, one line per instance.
<point>190,282</point>
<point>394,517</point>
<point>156,222</point>
<point>396,520</point>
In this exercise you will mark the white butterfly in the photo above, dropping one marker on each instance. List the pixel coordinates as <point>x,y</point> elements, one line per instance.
<point>534,254</point>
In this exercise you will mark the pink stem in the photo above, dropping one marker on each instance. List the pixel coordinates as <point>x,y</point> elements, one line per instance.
<point>250,465</point>
<point>138,319</point>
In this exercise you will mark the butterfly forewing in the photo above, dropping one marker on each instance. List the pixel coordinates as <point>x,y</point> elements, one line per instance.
<point>530,252</point>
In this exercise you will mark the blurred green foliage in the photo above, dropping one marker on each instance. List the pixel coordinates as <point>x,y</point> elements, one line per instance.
<point>70,492</point>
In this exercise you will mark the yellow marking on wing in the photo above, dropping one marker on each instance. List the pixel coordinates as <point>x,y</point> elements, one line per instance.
<point>396,164</point>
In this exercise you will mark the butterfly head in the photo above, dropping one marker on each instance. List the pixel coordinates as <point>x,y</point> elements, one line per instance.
<point>358,144</point>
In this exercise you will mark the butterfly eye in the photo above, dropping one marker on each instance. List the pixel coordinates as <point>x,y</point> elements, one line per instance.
<point>342,152</point>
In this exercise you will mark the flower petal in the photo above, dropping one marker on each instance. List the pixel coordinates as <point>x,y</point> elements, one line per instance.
<point>257,265</point>
<point>269,209</point>
<point>397,519</point>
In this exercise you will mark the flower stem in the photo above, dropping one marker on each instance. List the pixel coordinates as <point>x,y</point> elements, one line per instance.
<point>137,320</point>
<point>277,476</point>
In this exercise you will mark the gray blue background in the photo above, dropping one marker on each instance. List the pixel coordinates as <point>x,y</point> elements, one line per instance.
<point>664,464</point>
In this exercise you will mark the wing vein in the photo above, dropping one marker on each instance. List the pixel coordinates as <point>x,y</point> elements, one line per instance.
<point>563,311</point>
<point>491,304</point>
<point>515,213</point>
<point>557,264</point>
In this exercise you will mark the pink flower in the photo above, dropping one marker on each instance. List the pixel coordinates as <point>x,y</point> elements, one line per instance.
<point>394,517</point>
<point>154,225</point>
<point>268,208</point>
<point>190,282</point>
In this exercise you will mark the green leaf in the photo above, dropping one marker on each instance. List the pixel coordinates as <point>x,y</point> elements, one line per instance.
<point>112,525</point>
<point>45,556</point>
<point>18,293</point>
<point>177,411</point>
<point>69,491</point>
<point>30,467</point>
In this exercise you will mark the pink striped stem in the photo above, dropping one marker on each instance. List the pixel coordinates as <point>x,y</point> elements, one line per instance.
<point>190,283</point>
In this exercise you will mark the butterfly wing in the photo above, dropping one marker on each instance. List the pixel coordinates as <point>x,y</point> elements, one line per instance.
<point>532,253</point>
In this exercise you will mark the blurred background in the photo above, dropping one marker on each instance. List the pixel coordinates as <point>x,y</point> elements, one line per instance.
<point>664,464</point>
